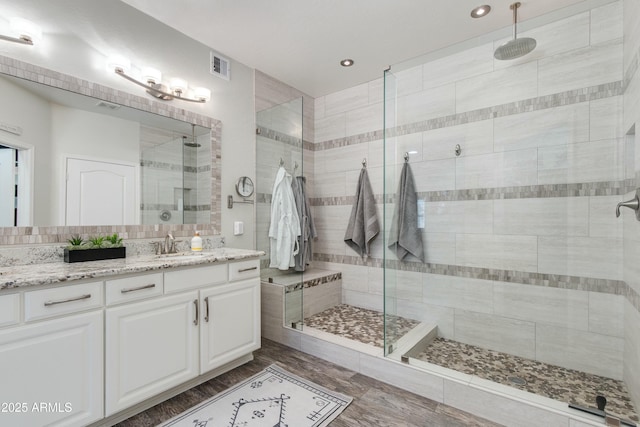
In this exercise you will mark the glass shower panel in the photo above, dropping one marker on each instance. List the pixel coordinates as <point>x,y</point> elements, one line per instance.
<point>390,172</point>
<point>526,265</point>
<point>278,144</point>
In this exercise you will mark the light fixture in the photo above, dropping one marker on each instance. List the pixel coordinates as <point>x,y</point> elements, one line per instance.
<point>480,11</point>
<point>152,82</point>
<point>346,62</point>
<point>22,31</point>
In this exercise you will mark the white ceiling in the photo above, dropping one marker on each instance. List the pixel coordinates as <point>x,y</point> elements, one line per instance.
<point>301,42</point>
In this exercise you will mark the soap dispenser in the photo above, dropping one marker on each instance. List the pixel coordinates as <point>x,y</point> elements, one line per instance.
<point>196,242</point>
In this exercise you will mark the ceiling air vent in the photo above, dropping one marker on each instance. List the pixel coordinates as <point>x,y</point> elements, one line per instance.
<point>220,66</point>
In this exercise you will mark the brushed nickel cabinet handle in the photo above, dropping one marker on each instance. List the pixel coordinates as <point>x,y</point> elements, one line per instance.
<point>242,270</point>
<point>62,301</point>
<point>127,290</point>
<point>195,321</point>
<point>206,304</point>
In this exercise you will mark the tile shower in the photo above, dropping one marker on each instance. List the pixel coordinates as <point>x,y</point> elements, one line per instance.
<point>524,254</point>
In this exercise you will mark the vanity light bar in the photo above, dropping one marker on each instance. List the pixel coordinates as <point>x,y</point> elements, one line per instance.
<point>155,87</point>
<point>23,31</point>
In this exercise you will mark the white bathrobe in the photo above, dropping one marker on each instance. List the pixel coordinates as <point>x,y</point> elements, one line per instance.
<point>285,224</point>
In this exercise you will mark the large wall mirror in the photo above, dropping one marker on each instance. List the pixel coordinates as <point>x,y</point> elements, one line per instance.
<point>69,159</point>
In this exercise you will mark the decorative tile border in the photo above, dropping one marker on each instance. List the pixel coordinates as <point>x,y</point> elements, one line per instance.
<point>278,136</point>
<point>602,188</point>
<point>59,234</point>
<point>308,283</point>
<point>533,104</point>
<point>616,287</point>
<point>577,283</point>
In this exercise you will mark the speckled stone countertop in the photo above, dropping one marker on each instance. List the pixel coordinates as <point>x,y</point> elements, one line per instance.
<point>49,273</point>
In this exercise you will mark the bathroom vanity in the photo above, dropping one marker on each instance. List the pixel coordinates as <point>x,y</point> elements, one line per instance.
<point>94,343</point>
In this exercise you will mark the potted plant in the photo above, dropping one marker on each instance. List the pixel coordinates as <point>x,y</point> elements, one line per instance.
<point>94,249</point>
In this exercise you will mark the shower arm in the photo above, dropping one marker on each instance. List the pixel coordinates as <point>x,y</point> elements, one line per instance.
<point>515,7</point>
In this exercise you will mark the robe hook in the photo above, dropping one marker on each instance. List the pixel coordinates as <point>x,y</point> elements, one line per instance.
<point>364,163</point>
<point>406,157</point>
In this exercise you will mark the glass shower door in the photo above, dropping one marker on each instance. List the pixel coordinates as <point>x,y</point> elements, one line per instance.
<point>278,145</point>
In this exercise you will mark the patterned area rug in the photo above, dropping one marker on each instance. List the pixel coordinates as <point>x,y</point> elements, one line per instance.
<point>272,398</point>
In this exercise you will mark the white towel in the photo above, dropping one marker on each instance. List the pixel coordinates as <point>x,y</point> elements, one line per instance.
<point>363,224</point>
<point>284,228</point>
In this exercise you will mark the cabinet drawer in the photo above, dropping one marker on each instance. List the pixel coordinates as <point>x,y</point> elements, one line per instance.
<point>197,277</point>
<point>64,300</point>
<point>244,269</point>
<point>9,309</point>
<point>133,288</point>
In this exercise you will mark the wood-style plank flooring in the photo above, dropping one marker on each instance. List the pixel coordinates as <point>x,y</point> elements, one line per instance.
<point>374,403</point>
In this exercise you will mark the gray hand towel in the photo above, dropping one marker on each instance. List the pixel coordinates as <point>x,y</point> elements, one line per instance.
<point>405,238</point>
<point>308,228</point>
<point>363,224</point>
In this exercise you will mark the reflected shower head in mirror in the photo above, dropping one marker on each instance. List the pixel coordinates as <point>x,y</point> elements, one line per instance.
<point>194,142</point>
<point>191,143</point>
<point>517,47</point>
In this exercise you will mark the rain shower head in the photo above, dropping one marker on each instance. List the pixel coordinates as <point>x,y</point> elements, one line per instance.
<point>517,47</point>
<point>191,143</point>
<point>194,142</point>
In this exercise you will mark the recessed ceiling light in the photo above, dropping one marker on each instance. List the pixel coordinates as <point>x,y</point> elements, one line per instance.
<point>346,62</point>
<point>480,11</point>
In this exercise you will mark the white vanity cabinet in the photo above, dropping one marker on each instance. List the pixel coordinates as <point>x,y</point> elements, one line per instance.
<point>201,322</point>
<point>98,351</point>
<point>231,322</point>
<point>151,346</point>
<point>52,370</point>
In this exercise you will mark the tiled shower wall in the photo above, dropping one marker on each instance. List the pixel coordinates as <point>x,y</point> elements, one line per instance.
<point>631,267</point>
<point>524,253</point>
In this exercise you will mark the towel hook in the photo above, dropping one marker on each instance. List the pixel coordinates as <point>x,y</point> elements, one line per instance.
<point>364,163</point>
<point>281,162</point>
<point>295,166</point>
<point>406,157</point>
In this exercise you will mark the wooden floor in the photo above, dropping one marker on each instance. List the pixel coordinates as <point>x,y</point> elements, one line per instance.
<point>374,403</point>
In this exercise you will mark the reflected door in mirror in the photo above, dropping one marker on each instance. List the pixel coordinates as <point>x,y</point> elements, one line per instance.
<point>100,193</point>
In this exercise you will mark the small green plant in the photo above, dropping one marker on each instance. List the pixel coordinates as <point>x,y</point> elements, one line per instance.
<point>75,240</point>
<point>115,240</point>
<point>97,241</point>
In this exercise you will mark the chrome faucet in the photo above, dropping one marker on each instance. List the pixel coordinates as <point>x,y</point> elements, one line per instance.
<point>169,244</point>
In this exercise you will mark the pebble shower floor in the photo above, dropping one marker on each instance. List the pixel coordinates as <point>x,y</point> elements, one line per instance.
<point>551,381</point>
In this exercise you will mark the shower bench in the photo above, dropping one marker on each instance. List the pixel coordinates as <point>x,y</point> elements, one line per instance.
<point>287,299</point>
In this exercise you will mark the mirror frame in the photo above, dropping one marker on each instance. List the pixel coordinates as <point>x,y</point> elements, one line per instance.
<point>60,234</point>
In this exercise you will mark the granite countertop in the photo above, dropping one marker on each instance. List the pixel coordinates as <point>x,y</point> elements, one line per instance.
<point>49,273</point>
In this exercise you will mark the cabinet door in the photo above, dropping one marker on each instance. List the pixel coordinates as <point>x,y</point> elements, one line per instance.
<point>151,346</point>
<point>52,372</point>
<point>230,322</point>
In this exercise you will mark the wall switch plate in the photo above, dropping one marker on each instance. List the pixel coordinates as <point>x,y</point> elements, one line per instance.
<point>238,228</point>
